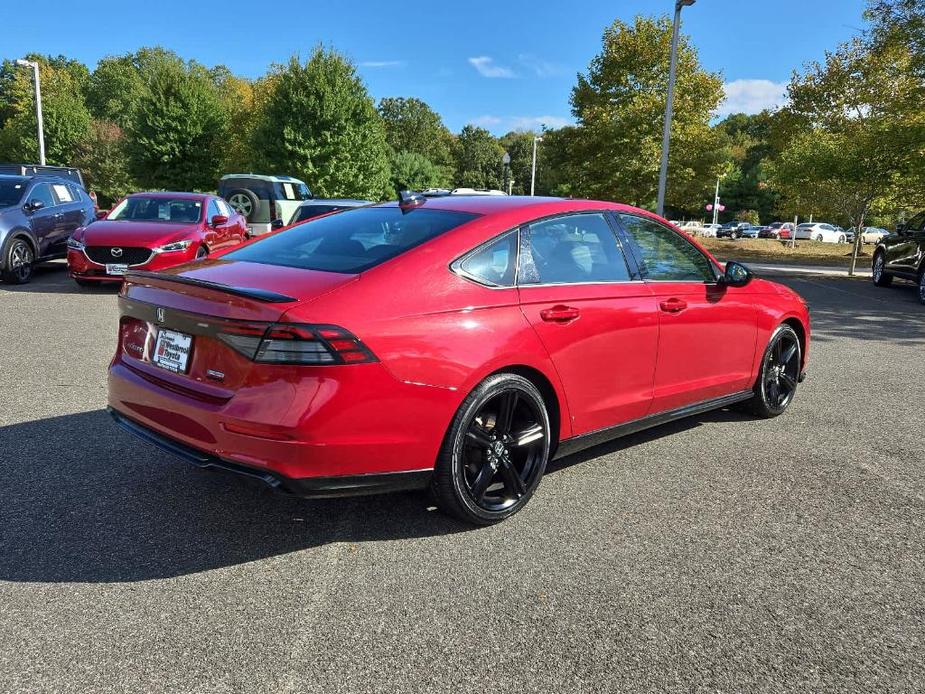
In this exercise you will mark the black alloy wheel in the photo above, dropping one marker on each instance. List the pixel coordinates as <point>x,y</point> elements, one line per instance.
<point>20,260</point>
<point>780,374</point>
<point>879,274</point>
<point>495,451</point>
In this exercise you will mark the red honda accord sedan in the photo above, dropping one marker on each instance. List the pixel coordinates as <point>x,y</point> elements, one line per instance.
<point>458,343</point>
<point>152,231</point>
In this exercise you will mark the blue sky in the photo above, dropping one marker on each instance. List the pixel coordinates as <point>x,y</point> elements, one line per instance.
<point>503,65</point>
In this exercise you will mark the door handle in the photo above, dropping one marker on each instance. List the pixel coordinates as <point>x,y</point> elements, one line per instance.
<point>559,314</point>
<point>673,305</point>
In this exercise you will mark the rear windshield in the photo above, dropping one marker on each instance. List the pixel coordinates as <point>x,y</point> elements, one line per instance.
<point>157,209</point>
<point>11,191</point>
<point>351,241</point>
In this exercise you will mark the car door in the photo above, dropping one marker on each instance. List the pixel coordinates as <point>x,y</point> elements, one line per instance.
<point>594,315</point>
<point>707,332</point>
<point>46,220</point>
<point>904,251</point>
<point>220,234</point>
<point>71,210</point>
<point>237,227</point>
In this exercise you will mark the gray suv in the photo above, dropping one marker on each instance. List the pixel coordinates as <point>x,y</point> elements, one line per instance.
<point>37,215</point>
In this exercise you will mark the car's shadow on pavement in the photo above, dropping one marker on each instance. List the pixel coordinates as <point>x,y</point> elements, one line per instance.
<point>52,278</point>
<point>82,501</point>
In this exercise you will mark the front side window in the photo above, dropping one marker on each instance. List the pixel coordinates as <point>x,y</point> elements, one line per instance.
<point>213,210</point>
<point>157,209</point>
<point>572,249</point>
<point>917,223</point>
<point>493,264</point>
<point>351,241</point>
<point>665,255</point>
<point>42,193</point>
<point>11,191</point>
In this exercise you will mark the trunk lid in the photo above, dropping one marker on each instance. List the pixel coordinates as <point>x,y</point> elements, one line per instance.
<point>213,314</point>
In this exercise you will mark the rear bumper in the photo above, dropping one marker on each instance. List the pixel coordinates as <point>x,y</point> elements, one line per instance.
<point>309,487</point>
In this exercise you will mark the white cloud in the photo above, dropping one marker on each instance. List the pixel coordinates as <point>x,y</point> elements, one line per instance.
<point>752,96</point>
<point>540,67</point>
<point>537,122</point>
<point>382,63</point>
<point>485,121</point>
<point>487,68</point>
<point>503,124</point>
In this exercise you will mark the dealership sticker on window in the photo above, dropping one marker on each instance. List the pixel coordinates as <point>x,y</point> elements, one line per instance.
<point>64,195</point>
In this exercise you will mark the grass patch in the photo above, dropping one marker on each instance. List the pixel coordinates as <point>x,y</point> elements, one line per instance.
<point>771,251</point>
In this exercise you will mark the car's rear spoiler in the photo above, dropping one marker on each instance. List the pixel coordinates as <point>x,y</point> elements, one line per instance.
<point>249,292</point>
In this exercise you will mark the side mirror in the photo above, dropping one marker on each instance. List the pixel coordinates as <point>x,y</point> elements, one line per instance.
<point>219,219</point>
<point>101,214</point>
<point>34,205</point>
<point>736,275</point>
<point>277,224</point>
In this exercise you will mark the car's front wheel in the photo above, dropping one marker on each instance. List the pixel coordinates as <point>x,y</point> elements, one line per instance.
<point>20,260</point>
<point>881,277</point>
<point>495,452</point>
<point>922,285</point>
<point>779,375</point>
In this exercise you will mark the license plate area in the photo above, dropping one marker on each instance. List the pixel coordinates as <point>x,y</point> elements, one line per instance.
<point>172,351</point>
<point>116,268</point>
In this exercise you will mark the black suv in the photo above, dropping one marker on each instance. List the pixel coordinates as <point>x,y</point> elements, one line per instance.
<point>902,254</point>
<point>37,215</point>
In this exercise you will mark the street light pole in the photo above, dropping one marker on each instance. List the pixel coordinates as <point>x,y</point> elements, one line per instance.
<point>666,133</point>
<point>38,104</point>
<point>533,174</point>
<point>716,202</point>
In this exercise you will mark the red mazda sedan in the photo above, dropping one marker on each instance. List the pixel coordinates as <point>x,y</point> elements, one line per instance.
<point>152,231</point>
<point>458,343</point>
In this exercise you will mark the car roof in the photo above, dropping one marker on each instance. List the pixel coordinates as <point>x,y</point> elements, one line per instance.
<point>169,194</point>
<point>494,204</point>
<point>262,177</point>
<point>347,202</point>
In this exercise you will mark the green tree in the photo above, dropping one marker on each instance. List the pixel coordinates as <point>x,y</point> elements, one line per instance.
<point>104,161</point>
<point>66,120</point>
<point>412,126</point>
<point>478,159</point>
<point>178,129</point>
<point>560,170</point>
<point>519,145</point>
<point>855,142</point>
<point>321,125</point>
<point>620,106</point>
<point>748,146</point>
<point>412,171</point>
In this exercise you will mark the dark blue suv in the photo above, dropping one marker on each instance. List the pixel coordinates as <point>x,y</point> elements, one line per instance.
<point>37,215</point>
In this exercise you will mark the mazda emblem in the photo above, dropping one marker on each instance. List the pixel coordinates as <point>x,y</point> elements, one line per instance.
<point>161,314</point>
<point>116,252</point>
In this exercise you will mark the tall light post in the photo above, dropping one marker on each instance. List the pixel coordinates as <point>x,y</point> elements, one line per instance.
<point>666,133</point>
<point>508,181</point>
<point>38,104</point>
<point>536,138</point>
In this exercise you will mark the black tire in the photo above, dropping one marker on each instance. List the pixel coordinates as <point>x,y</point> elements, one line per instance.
<point>495,451</point>
<point>201,253</point>
<point>819,238</point>
<point>243,201</point>
<point>19,261</point>
<point>779,376</point>
<point>922,286</point>
<point>881,277</point>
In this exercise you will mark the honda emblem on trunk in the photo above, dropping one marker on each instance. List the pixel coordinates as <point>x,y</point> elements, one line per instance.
<point>116,252</point>
<point>161,314</point>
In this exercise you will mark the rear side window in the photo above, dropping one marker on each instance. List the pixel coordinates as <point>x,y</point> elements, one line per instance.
<point>310,211</point>
<point>352,241</point>
<point>290,190</point>
<point>665,255</point>
<point>572,249</point>
<point>492,264</point>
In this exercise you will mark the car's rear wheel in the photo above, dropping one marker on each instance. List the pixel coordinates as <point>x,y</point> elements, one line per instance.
<point>881,277</point>
<point>495,451</point>
<point>842,239</point>
<point>20,260</point>
<point>779,375</point>
<point>922,285</point>
<point>818,237</point>
<point>244,202</point>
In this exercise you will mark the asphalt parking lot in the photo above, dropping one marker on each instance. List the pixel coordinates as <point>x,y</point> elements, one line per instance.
<point>714,554</point>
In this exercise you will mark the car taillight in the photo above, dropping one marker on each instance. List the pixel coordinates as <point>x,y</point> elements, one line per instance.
<point>294,343</point>
<point>133,336</point>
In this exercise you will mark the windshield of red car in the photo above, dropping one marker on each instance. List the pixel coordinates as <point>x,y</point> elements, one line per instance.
<point>157,209</point>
